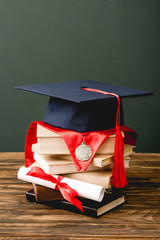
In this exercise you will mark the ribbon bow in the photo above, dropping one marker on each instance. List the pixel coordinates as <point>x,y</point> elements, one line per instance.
<point>67,192</point>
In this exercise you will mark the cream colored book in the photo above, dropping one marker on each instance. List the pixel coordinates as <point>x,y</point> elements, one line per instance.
<point>58,146</point>
<point>55,145</point>
<point>128,150</point>
<point>52,164</point>
<point>44,132</point>
<point>103,161</point>
<point>126,162</point>
<point>52,143</point>
<point>101,178</point>
<point>100,161</point>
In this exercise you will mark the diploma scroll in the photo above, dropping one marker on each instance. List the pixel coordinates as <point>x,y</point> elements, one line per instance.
<point>86,190</point>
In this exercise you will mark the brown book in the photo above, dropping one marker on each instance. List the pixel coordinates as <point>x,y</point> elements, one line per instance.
<point>46,194</point>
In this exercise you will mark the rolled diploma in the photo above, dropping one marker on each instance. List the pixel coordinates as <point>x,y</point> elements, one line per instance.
<point>86,190</point>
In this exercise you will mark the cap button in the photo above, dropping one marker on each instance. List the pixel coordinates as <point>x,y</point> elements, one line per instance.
<point>83,87</point>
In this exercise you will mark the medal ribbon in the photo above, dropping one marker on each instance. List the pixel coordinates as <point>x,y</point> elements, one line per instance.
<point>67,192</point>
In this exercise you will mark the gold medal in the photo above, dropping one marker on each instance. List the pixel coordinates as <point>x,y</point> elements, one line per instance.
<point>83,152</point>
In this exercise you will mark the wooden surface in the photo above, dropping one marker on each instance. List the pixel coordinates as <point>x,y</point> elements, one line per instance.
<point>138,218</point>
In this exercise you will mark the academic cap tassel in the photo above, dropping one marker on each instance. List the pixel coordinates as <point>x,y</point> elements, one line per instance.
<point>118,171</point>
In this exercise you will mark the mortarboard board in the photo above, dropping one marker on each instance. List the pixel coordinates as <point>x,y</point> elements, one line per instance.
<point>70,107</point>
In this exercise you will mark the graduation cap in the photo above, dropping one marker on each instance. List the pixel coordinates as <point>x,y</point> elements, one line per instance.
<point>71,107</point>
<point>88,106</point>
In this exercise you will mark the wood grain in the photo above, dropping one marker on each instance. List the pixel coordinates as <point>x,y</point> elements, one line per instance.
<point>138,218</point>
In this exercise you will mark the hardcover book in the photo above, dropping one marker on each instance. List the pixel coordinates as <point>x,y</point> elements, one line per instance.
<point>90,208</point>
<point>45,193</point>
<point>62,165</point>
<point>102,160</point>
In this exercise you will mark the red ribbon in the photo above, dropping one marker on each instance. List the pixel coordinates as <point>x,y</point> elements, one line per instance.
<point>67,192</point>
<point>74,139</point>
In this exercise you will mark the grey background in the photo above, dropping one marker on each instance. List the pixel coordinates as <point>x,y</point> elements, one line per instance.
<point>113,41</point>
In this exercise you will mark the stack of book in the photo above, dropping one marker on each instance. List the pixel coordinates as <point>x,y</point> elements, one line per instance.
<point>52,155</point>
<point>84,113</point>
